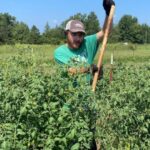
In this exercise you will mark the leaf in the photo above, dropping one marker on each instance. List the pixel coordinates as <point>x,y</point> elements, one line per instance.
<point>144,130</point>
<point>60,119</point>
<point>45,105</point>
<point>86,145</point>
<point>20,132</point>
<point>72,134</point>
<point>51,120</point>
<point>75,146</point>
<point>23,110</point>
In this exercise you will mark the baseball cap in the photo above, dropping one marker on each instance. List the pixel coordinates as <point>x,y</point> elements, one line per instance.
<point>75,26</point>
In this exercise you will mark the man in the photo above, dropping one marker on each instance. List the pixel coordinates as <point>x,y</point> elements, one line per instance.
<point>80,48</point>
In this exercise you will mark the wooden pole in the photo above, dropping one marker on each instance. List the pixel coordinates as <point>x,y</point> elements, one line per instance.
<point>109,22</point>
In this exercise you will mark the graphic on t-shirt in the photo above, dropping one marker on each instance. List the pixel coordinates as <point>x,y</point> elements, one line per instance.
<point>81,58</point>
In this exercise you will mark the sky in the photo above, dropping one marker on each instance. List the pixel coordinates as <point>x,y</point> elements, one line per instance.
<point>54,12</point>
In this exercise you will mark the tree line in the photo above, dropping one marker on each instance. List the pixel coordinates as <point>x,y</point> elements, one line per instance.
<point>127,29</point>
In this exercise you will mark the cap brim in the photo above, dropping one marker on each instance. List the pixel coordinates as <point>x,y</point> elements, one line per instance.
<point>76,30</point>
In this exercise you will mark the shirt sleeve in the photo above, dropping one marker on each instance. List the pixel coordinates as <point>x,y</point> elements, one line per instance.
<point>60,57</point>
<point>92,47</point>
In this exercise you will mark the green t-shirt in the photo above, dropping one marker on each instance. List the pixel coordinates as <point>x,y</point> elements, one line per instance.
<point>85,54</point>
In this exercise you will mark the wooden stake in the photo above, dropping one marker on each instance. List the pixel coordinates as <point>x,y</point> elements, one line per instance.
<point>109,22</point>
<point>111,68</point>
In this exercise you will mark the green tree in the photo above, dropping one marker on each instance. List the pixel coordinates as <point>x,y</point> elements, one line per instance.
<point>7,23</point>
<point>148,35</point>
<point>21,33</point>
<point>92,24</point>
<point>145,33</point>
<point>129,29</point>
<point>137,36</point>
<point>53,35</point>
<point>114,35</point>
<point>46,34</point>
<point>34,35</point>
<point>57,35</point>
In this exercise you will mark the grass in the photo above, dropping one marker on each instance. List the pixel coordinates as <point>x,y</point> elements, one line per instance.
<point>41,52</point>
<point>125,53</point>
<point>122,53</point>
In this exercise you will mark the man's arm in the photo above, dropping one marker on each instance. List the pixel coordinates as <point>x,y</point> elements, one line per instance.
<point>107,6</point>
<point>92,69</point>
<point>101,33</point>
<point>82,70</point>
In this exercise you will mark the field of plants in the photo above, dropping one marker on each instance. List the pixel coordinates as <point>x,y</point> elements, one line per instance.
<point>43,107</point>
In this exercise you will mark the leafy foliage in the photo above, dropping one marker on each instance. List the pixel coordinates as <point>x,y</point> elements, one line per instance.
<point>130,30</point>
<point>7,23</point>
<point>127,30</point>
<point>43,110</point>
<point>21,33</point>
<point>124,116</point>
<point>34,37</point>
<point>42,107</point>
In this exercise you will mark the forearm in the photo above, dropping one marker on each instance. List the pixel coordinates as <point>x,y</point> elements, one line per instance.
<point>78,70</point>
<point>101,33</point>
<point>105,25</point>
<point>107,7</point>
<point>107,4</point>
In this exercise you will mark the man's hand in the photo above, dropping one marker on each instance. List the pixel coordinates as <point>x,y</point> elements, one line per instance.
<point>107,5</point>
<point>94,69</point>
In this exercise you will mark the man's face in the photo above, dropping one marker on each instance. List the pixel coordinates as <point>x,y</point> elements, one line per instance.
<point>74,39</point>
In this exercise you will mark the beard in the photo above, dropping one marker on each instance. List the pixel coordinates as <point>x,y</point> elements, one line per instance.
<point>74,44</point>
